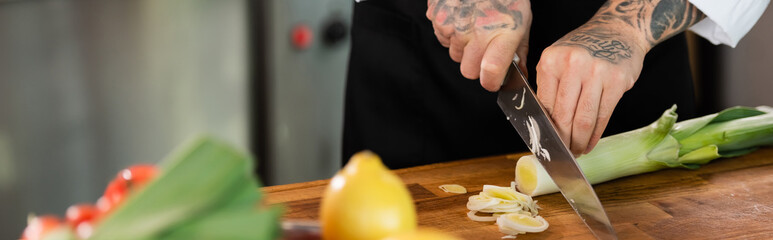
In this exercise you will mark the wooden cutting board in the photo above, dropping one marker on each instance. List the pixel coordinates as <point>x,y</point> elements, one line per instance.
<point>726,199</point>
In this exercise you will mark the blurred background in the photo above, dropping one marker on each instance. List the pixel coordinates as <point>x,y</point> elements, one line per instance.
<point>89,87</point>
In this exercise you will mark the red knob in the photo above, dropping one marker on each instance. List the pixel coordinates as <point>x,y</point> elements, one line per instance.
<point>301,36</point>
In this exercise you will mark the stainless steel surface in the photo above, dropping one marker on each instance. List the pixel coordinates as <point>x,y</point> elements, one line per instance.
<point>530,119</point>
<point>304,91</point>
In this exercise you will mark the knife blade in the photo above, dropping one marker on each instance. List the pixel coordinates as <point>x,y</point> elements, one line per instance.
<point>531,121</point>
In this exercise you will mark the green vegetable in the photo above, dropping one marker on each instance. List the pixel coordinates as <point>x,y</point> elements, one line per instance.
<point>663,144</point>
<point>205,190</point>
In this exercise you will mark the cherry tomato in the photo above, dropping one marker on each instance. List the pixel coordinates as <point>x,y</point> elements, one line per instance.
<point>114,194</point>
<point>127,180</point>
<point>77,214</point>
<point>116,190</point>
<point>138,175</point>
<point>39,227</point>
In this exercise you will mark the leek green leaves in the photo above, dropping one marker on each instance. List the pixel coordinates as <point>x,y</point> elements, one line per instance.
<point>663,144</point>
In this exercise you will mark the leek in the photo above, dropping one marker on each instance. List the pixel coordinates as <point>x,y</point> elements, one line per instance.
<point>663,144</point>
<point>205,190</point>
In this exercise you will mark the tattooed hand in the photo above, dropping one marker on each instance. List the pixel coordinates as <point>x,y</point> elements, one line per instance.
<point>583,75</point>
<point>483,35</point>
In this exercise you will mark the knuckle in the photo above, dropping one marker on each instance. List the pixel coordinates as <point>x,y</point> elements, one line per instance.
<point>584,123</point>
<point>620,82</point>
<point>549,61</point>
<point>541,68</point>
<point>562,118</point>
<point>603,118</point>
<point>542,65</point>
<point>547,56</point>
<point>620,76</point>
<point>546,66</point>
<point>576,57</point>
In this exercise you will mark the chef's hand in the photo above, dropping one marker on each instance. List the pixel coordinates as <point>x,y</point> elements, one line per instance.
<point>483,35</point>
<point>582,76</point>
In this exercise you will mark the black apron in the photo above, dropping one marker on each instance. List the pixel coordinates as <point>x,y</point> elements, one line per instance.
<point>407,101</point>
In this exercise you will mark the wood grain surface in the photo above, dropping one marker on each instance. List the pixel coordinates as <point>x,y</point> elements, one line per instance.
<point>726,199</point>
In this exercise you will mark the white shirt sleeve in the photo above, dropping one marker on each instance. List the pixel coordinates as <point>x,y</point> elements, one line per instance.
<point>727,21</point>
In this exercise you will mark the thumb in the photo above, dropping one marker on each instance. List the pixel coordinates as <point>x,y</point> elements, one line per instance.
<point>496,60</point>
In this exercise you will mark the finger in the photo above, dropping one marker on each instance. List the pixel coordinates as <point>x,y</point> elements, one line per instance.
<point>437,12</point>
<point>496,60</point>
<point>567,95</point>
<point>438,18</point>
<point>547,82</point>
<point>444,32</point>
<point>610,96</point>
<point>471,59</point>
<point>430,6</point>
<point>456,48</point>
<point>586,115</point>
<point>442,39</point>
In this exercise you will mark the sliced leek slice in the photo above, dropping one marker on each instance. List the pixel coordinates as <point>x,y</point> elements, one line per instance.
<point>453,188</point>
<point>500,200</point>
<point>517,223</point>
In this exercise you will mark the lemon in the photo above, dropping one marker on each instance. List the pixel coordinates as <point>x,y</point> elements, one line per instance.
<point>366,201</point>
<point>423,234</point>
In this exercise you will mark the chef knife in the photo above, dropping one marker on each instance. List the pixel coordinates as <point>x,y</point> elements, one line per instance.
<point>529,118</point>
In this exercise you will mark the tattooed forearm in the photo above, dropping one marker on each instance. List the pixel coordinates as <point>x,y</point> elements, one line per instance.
<point>622,28</point>
<point>656,20</point>
<point>627,11</point>
<point>671,17</point>
<point>466,15</point>
<point>600,43</point>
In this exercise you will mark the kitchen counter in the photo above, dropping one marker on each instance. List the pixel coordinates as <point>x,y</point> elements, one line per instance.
<point>725,199</point>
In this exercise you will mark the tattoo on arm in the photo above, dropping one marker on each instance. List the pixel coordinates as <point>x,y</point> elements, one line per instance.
<point>465,15</point>
<point>656,20</point>
<point>671,17</point>
<point>600,43</point>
